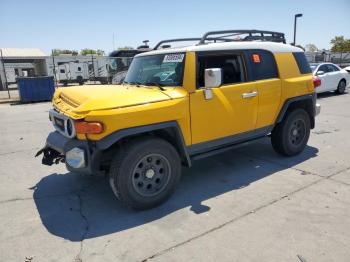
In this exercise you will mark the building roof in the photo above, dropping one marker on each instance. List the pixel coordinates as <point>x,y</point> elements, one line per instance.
<point>22,52</point>
<point>269,46</point>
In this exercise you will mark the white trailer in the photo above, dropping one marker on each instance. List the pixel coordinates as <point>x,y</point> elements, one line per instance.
<point>72,72</point>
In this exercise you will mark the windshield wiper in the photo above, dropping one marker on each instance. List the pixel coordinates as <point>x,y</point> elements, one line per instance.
<point>132,83</point>
<point>155,84</point>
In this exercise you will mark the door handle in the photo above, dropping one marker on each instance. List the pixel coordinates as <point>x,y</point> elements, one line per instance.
<point>247,95</point>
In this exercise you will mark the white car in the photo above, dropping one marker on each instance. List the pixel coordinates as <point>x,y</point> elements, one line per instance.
<point>333,78</point>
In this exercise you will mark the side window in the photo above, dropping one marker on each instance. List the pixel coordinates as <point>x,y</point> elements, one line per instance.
<point>230,64</point>
<point>332,68</point>
<point>323,68</point>
<point>303,64</point>
<point>262,64</point>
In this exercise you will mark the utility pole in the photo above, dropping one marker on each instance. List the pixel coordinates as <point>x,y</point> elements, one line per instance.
<point>295,27</point>
<point>54,67</point>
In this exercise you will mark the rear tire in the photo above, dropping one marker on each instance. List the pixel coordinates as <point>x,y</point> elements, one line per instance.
<point>290,137</point>
<point>341,87</point>
<point>145,173</point>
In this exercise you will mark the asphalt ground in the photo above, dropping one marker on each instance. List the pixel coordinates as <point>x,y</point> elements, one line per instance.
<point>247,204</point>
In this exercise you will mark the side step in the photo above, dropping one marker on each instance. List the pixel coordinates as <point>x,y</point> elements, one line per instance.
<point>225,148</point>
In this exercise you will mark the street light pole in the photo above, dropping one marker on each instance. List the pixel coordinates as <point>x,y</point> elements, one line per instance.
<point>295,26</point>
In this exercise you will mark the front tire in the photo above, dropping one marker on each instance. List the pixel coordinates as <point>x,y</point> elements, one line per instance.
<point>290,137</point>
<point>341,87</point>
<point>145,173</point>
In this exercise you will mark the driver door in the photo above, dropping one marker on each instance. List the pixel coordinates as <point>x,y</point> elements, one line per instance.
<point>325,83</point>
<point>233,107</point>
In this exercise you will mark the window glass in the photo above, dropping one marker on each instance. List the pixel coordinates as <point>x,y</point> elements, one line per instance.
<point>230,64</point>
<point>263,64</point>
<point>62,71</point>
<point>332,68</point>
<point>79,68</point>
<point>302,62</point>
<point>164,69</point>
<point>323,68</point>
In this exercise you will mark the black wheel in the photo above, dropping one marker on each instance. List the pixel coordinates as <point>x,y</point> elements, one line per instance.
<point>291,135</point>
<point>341,87</point>
<point>145,173</point>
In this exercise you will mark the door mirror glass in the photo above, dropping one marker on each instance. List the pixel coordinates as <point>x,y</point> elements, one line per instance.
<point>319,73</point>
<point>212,77</point>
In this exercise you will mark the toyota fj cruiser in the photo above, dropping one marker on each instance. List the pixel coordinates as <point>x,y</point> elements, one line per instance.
<point>177,105</point>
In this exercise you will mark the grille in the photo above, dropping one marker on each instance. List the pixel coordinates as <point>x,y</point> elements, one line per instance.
<point>62,123</point>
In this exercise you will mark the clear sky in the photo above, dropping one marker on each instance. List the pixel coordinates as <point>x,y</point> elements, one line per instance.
<point>77,24</point>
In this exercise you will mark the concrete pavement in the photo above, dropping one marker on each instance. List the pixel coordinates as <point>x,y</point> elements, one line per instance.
<point>248,204</point>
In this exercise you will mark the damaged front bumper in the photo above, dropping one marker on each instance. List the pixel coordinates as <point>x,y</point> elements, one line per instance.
<point>79,155</point>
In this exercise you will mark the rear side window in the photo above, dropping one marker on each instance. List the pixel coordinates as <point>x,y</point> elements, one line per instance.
<point>262,65</point>
<point>302,62</point>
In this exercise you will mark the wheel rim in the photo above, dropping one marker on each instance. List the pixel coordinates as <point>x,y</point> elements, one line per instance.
<point>151,175</point>
<point>297,132</point>
<point>342,86</point>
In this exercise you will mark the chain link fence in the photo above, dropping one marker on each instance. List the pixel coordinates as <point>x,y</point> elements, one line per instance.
<point>342,59</point>
<point>67,70</point>
<point>94,69</point>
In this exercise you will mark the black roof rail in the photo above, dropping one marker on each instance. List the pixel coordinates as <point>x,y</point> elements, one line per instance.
<point>252,35</point>
<point>189,39</point>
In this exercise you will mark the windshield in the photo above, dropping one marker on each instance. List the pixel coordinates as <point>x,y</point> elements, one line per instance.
<point>164,69</point>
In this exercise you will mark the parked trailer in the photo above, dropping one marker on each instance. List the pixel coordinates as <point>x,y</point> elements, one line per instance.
<point>72,72</point>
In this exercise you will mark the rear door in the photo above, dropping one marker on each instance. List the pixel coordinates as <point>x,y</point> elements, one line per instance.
<point>334,75</point>
<point>263,72</point>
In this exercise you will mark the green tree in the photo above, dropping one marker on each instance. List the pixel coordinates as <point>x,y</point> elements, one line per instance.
<point>340,44</point>
<point>87,51</point>
<point>311,48</point>
<point>57,52</point>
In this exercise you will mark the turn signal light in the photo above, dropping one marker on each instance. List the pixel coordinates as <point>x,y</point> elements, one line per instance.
<point>317,81</point>
<point>82,127</point>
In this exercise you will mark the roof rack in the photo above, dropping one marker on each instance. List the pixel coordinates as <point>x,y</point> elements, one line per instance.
<point>251,35</point>
<point>189,39</point>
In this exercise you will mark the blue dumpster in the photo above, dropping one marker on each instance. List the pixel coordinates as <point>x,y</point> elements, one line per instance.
<point>35,89</point>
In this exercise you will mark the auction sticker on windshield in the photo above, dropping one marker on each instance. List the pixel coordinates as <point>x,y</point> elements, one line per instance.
<point>173,58</point>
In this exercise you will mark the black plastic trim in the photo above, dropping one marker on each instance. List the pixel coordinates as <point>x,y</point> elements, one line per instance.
<point>289,101</point>
<point>108,141</point>
<point>62,144</point>
<point>213,145</point>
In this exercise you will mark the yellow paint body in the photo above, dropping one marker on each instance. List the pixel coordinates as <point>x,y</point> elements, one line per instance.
<point>122,106</point>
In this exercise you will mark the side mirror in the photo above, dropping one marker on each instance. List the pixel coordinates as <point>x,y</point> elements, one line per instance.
<point>319,73</point>
<point>212,77</point>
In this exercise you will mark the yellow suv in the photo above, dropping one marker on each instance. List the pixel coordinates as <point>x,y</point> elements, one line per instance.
<point>177,105</point>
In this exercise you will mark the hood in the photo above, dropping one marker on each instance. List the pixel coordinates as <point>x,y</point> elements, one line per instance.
<point>77,101</point>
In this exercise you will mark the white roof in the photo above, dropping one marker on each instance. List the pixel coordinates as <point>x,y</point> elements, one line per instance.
<point>22,52</point>
<point>269,46</point>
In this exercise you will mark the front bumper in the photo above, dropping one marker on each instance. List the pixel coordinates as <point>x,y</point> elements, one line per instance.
<point>82,155</point>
